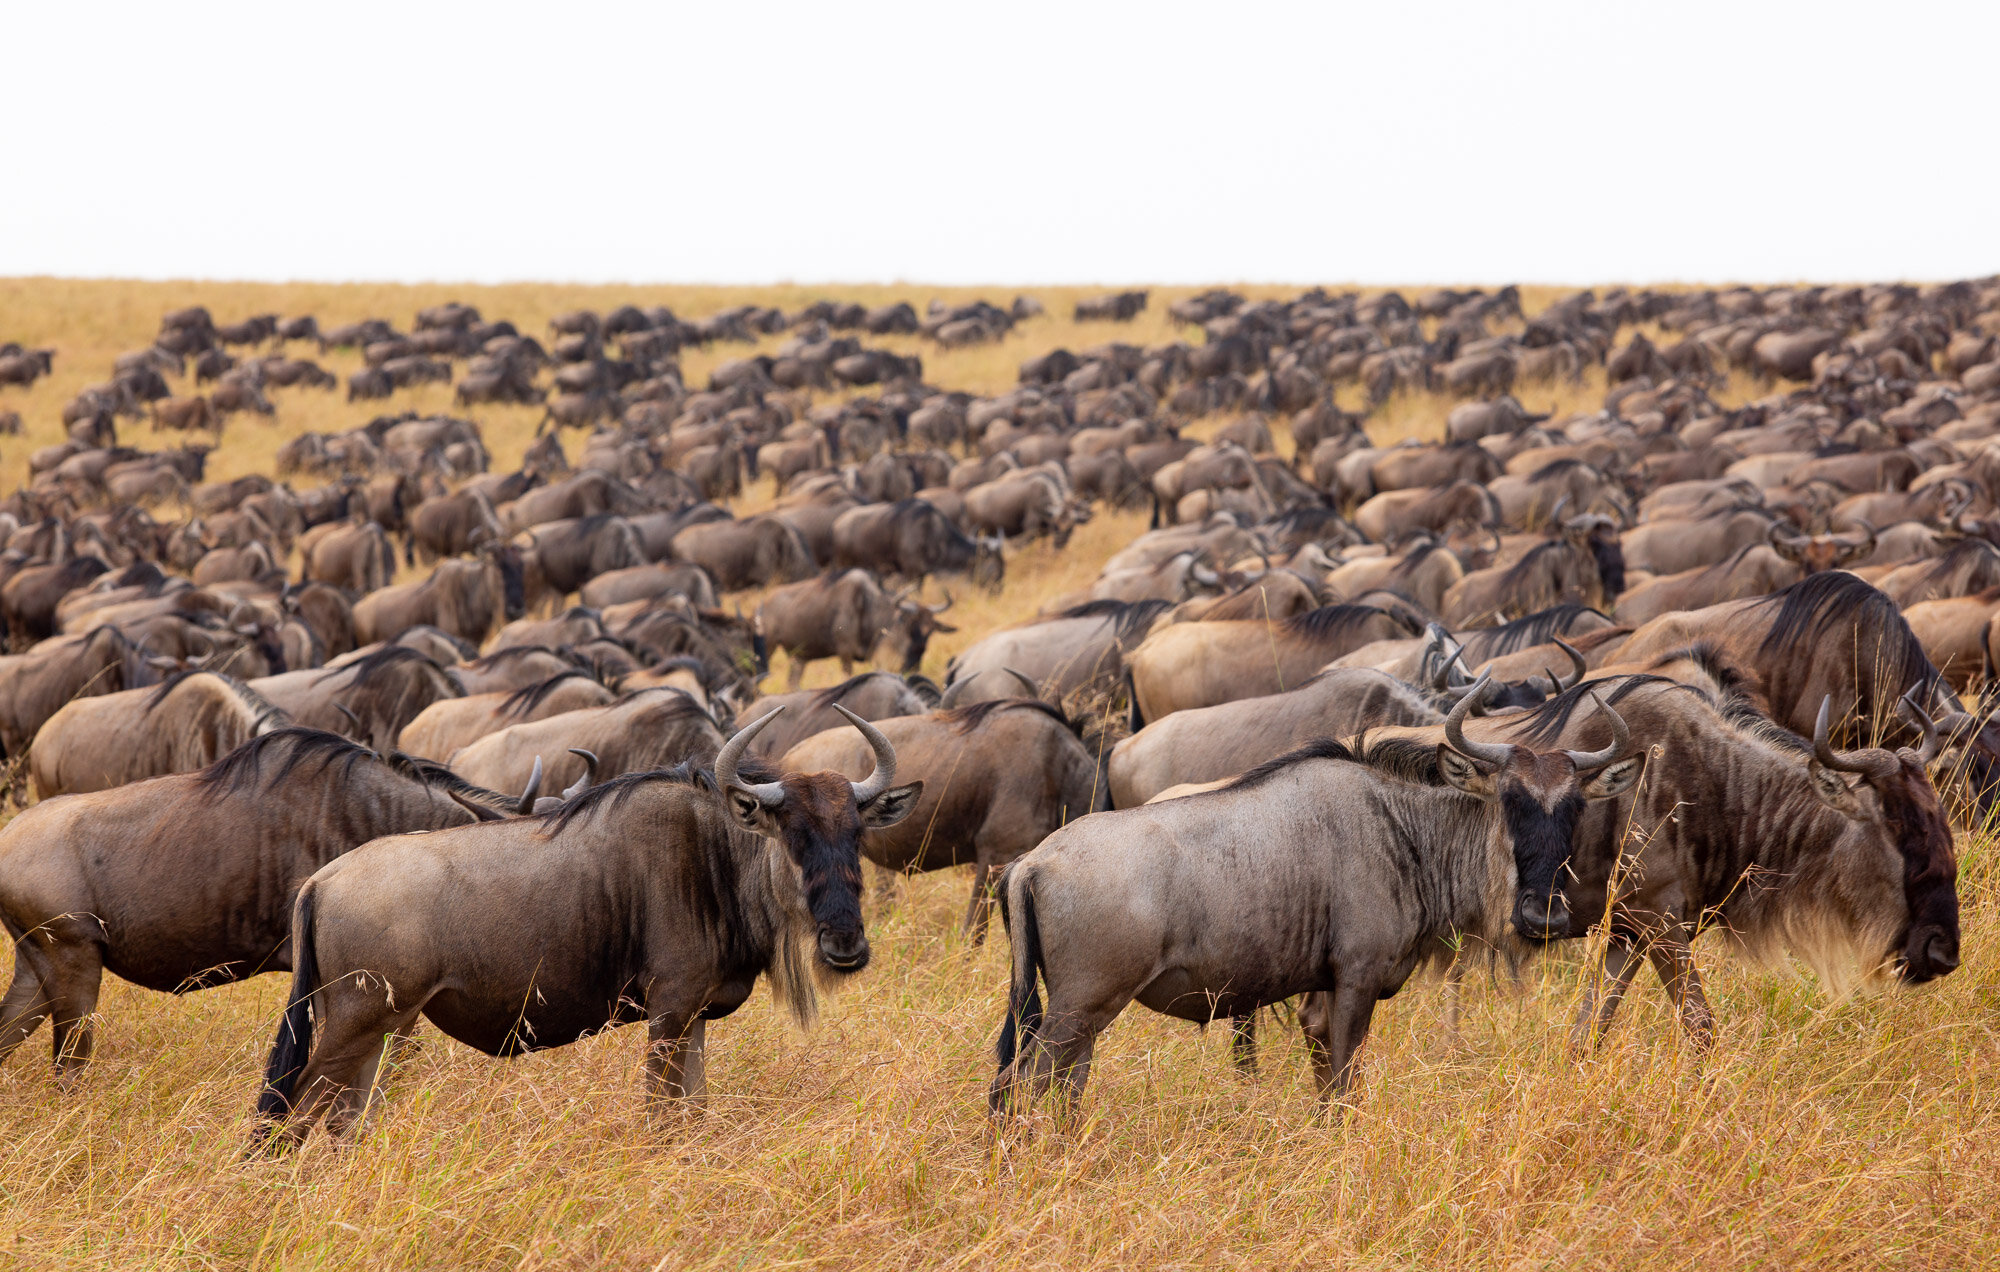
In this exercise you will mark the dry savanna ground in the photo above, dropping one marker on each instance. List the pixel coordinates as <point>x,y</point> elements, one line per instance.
<point>1818,1133</point>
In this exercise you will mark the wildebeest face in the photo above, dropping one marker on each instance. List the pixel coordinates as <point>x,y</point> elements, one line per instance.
<point>818,818</point>
<point>1541,795</point>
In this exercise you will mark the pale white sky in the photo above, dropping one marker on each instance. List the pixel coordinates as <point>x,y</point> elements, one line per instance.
<point>1002,143</point>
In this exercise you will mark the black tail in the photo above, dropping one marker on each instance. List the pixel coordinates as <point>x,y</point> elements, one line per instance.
<point>1137,721</point>
<point>1024,997</point>
<point>295,1030</point>
<point>1154,524</point>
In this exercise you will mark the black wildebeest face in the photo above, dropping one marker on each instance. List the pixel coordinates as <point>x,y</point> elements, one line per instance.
<point>818,818</point>
<point>1541,796</point>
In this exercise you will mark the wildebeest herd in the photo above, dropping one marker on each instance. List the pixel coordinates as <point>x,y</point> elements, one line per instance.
<point>1703,657</point>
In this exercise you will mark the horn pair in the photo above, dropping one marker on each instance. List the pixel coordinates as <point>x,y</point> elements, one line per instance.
<point>1497,754</point>
<point>772,794</point>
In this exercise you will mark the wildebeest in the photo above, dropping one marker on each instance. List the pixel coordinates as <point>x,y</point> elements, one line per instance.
<point>651,729</point>
<point>707,883</point>
<point>449,724</point>
<point>1842,858</point>
<point>998,777</point>
<point>746,553</point>
<point>35,685</point>
<point>1201,664</point>
<point>1324,869</point>
<point>355,555</point>
<point>1205,744</point>
<point>1082,647</point>
<point>370,699</point>
<point>911,538</point>
<point>1581,566</point>
<point>468,599</point>
<point>186,881</point>
<point>846,615</point>
<point>872,695</point>
<point>187,722</point>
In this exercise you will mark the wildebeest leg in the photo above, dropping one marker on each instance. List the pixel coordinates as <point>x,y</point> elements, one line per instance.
<point>675,1068</point>
<point>1603,993</point>
<point>23,1009</point>
<point>1243,1041</point>
<point>1454,999</point>
<point>795,674</point>
<point>351,1105</point>
<point>78,974</point>
<point>1674,961</point>
<point>980,907</point>
<point>847,669</point>
<point>1334,1032</point>
<point>354,1030</point>
<point>883,891</point>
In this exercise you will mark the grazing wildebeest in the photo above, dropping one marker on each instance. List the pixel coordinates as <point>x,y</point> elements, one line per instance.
<point>186,881</point>
<point>451,525</point>
<point>189,721</point>
<point>846,615</point>
<point>355,555</point>
<point>1082,647</point>
<point>648,582</point>
<point>1841,858</point>
<point>573,552</point>
<point>449,724</point>
<point>1201,664</point>
<point>998,777</point>
<point>658,896</point>
<point>1581,566</point>
<point>511,669</point>
<point>1324,869</point>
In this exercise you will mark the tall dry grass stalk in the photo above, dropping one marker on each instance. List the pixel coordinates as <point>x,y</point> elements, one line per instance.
<point>1818,1134</point>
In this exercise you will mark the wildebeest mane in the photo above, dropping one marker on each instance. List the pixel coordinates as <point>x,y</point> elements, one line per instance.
<point>438,776</point>
<point>1556,468</point>
<point>615,791</point>
<point>1541,726</point>
<point>1405,759</point>
<point>261,708</point>
<point>1814,606</point>
<point>971,716</point>
<point>1966,552</point>
<point>528,697</point>
<point>838,693</point>
<point>1133,617</point>
<point>1332,622</point>
<point>1538,628</point>
<point>365,669</point>
<point>295,744</point>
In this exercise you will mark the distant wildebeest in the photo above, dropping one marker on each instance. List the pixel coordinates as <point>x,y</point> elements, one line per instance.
<point>449,724</point>
<point>465,598</point>
<point>912,539</point>
<point>713,882</point>
<point>370,699</point>
<point>1083,647</point>
<point>845,616</point>
<point>36,684</point>
<point>872,695</point>
<point>1324,869</point>
<point>651,729</point>
<point>747,553</point>
<point>186,881</point>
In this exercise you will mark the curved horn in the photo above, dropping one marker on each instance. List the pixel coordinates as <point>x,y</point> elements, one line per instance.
<point>582,784</point>
<point>352,719</point>
<point>1576,661</point>
<point>948,603</point>
<point>769,794</point>
<point>885,758</point>
<point>949,698</point>
<point>526,804</point>
<point>1454,726</point>
<point>1913,713</point>
<point>1843,761</point>
<point>1034,690</point>
<point>1621,740</point>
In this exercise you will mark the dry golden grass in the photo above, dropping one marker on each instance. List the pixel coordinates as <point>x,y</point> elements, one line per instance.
<point>1818,1134</point>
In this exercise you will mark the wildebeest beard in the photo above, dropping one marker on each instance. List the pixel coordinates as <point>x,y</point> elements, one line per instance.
<point>1610,555</point>
<point>1928,947</point>
<point>1542,840</point>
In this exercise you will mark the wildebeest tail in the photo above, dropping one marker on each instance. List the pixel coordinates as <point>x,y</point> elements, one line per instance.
<point>295,1029</point>
<point>1137,721</point>
<point>1024,997</point>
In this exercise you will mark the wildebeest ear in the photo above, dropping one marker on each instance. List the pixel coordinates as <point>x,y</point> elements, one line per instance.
<point>1833,788</point>
<point>1464,772</point>
<point>747,809</point>
<point>1614,779</point>
<point>891,806</point>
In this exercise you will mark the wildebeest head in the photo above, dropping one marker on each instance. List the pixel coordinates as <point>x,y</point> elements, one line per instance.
<point>989,564</point>
<point>912,628</point>
<point>818,818</point>
<point>1541,795</point>
<point>1815,552</point>
<point>1906,803</point>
